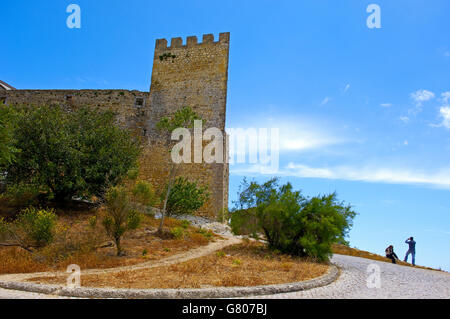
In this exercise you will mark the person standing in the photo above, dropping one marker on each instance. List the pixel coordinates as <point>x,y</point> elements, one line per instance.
<point>412,250</point>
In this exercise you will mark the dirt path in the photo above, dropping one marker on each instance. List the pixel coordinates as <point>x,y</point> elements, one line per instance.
<point>178,258</point>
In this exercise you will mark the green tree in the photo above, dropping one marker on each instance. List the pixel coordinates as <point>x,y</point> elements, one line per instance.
<point>183,118</point>
<point>7,149</point>
<point>293,223</point>
<point>186,197</point>
<point>77,153</point>
<point>31,229</point>
<point>120,215</point>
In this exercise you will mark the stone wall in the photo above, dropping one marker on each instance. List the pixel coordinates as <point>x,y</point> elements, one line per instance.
<point>195,75</point>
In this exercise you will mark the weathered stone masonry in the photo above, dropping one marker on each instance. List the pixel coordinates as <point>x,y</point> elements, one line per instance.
<point>194,74</point>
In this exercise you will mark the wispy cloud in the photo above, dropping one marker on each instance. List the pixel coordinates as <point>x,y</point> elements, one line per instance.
<point>302,138</point>
<point>445,97</point>
<point>347,87</point>
<point>299,134</point>
<point>371,174</point>
<point>444,111</point>
<point>386,104</point>
<point>419,97</point>
<point>445,115</point>
<point>375,174</point>
<point>404,119</point>
<point>325,101</point>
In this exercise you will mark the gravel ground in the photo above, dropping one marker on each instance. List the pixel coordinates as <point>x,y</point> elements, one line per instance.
<point>13,294</point>
<point>203,222</point>
<point>395,282</point>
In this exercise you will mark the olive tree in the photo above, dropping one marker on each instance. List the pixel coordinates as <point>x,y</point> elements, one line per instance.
<point>183,118</point>
<point>70,153</point>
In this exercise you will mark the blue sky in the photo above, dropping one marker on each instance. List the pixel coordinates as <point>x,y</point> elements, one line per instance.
<point>364,112</point>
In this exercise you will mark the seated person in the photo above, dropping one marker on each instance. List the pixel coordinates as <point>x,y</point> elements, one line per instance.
<point>390,254</point>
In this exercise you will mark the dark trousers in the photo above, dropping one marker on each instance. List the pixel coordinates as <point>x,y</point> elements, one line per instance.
<point>392,257</point>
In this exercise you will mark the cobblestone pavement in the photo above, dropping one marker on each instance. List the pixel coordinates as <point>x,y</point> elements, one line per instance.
<point>13,294</point>
<point>396,282</point>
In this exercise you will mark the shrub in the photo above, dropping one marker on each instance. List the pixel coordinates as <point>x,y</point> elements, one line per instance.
<point>92,221</point>
<point>21,195</point>
<point>186,197</point>
<point>177,232</point>
<point>207,233</point>
<point>185,224</point>
<point>120,215</point>
<point>31,229</point>
<point>76,153</point>
<point>294,224</point>
<point>245,222</point>
<point>144,194</point>
<point>223,216</point>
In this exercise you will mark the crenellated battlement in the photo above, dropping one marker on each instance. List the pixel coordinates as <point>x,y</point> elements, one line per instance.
<point>191,41</point>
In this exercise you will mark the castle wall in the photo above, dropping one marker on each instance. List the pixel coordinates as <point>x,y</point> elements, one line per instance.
<point>194,74</point>
<point>122,102</point>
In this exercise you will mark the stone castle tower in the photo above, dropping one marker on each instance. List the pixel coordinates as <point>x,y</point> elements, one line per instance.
<point>193,74</point>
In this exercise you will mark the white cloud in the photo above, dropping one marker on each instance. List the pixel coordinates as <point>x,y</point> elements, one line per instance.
<point>299,134</point>
<point>406,143</point>
<point>386,104</point>
<point>325,101</point>
<point>445,97</point>
<point>347,87</point>
<point>404,119</point>
<point>302,139</point>
<point>445,114</point>
<point>421,96</point>
<point>372,174</point>
<point>303,136</point>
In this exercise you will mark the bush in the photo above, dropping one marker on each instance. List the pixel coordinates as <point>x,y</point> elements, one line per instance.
<point>178,232</point>
<point>31,229</point>
<point>294,224</point>
<point>245,222</point>
<point>144,194</point>
<point>185,197</point>
<point>21,195</point>
<point>120,215</point>
<point>76,153</point>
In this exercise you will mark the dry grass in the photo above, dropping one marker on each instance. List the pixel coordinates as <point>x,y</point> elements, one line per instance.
<point>345,250</point>
<point>248,264</point>
<point>77,243</point>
